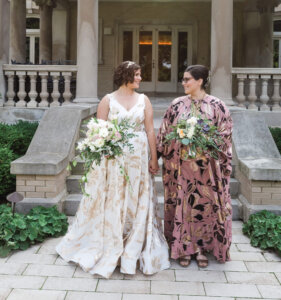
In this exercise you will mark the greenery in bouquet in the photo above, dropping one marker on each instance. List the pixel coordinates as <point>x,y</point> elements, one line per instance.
<point>105,139</point>
<point>198,134</point>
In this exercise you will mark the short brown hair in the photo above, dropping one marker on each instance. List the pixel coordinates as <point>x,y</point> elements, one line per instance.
<point>125,73</point>
<point>199,72</point>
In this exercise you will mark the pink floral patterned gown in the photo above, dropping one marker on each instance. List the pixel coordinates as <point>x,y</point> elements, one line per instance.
<point>198,213</point>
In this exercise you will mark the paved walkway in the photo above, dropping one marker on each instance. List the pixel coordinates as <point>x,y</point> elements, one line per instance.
<point>38,273</point>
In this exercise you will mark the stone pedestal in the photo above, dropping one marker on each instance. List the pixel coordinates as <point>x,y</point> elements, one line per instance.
<point>17,30</point>
<point>4,44</point>
<point>221,50</point>
<point>45,46</point>
<point>87,51</point>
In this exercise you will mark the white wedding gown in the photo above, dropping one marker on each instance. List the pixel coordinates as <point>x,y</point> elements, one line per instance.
<point>119,225</point>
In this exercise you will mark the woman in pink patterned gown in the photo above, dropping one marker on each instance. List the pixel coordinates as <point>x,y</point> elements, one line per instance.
<point>198,211</point>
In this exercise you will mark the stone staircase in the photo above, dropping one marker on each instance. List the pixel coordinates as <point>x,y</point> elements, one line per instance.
<point>73,185</point>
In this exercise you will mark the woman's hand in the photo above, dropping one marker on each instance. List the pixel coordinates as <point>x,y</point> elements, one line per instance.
<point>153,166</point>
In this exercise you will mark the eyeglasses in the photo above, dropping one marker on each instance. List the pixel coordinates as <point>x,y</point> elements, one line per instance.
<point>186,79</point>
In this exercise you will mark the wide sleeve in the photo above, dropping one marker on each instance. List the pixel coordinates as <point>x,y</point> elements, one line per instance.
<point>164,147</point>
<point>224,123</point>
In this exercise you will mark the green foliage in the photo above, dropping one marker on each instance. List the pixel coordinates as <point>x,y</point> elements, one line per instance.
<point>21,231</point>
<point>276,134</point>
<point>14,142</point>
<point>7,180</point>
<point>17,137</point>
<point>264,230</point>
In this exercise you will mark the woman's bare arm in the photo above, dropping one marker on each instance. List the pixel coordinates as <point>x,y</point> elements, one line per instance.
<point>103,108</point>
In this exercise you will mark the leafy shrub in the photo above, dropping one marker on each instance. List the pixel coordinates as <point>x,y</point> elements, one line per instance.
<point>264,230</point>
<point>276,134</point>
<point>14,142</point>
<point>7,180</point>
<point>21,231</point>
<point>17,137</point>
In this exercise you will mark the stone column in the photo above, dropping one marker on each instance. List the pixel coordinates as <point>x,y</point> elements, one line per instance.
<point>4,44</point>
<point>87,51</point>
<point>251,34</point>
<point>17,30</point>
<point>266,9</point>
<point>45,44</point>
<point>221,50</point>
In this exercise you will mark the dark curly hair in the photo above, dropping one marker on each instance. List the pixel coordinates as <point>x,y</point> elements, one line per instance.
<point>125,73</point>
<point>199,72</point>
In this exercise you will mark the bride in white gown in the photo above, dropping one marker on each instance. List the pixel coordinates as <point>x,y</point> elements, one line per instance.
<point>119,225</point>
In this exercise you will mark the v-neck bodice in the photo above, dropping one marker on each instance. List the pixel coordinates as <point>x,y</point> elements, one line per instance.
<point>135,113</point>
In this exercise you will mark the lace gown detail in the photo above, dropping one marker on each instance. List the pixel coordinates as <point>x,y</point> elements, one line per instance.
<point>119,225</point>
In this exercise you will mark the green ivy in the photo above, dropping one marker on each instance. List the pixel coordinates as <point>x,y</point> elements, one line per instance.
<point>20,231</point>
<point>264,230</point>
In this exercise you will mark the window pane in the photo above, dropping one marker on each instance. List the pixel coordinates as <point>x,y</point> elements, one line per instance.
<point>32,23</point>
<point>182,54</point>
<point>277,25</point>
<point>145,53</point>
<point>127,45</point>
<point>37,50</point>
<point>27,47</point>
<point>164,56</point>
<point>276,53</point>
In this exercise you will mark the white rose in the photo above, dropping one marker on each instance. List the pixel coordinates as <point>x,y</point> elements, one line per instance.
<point>98,143</point>
<point>81,146</point>
<point>192,121</point>
<point>103,132</point>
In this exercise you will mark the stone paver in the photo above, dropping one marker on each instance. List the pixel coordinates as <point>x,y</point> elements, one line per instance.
<point>50,270</point>
<point>273,292</point>
<point>264,266</point>
<point>251,278</point>
<point>92,296</point>
<point>20,294</point>
<point>200,276</point>
<point>12,268</point>
<point>4,292</point>
<point>24,282</point>
<point>124,286</point>
<point>182,288</point>
<point>228,290</point>
<point>39,273</point>
<point>70,284</point>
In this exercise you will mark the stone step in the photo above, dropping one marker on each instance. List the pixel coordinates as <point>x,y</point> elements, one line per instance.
<point>74,187</point>
<point>73,200</point>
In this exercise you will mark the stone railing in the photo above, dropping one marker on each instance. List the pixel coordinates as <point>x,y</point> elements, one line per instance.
<point>257,88</point>
<point>39,85</point>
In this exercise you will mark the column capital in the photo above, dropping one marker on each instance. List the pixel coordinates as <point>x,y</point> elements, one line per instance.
<point>267,6</point>
<point>41,3</point>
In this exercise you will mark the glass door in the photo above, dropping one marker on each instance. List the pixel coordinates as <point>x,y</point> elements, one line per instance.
<point>163,52</point>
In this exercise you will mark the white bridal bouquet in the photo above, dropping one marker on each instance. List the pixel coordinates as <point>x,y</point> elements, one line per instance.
<point>105,139</point>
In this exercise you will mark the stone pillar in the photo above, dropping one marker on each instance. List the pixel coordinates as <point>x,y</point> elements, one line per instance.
<point>221,50</point>
<point>87,51</point>
<point>251,34</point>
<point>17,30</point>
<point>4,44</point>
<point>45,45</point>
<point>266,9</point>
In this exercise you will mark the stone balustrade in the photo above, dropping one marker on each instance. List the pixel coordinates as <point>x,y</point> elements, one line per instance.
<point>258,88</point>
<point>39,85</point>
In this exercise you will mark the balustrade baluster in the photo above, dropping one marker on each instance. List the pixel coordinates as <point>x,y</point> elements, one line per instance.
<point>276,94</point>
<point>10,93</point>
<point>264,94</point>
<point>252,94</point>
<point>44,93</point>
<point>21,92</point>
<point>240,96</point>
<point>55,93</point>
<point>67,94</point>
<point>32,93</point>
